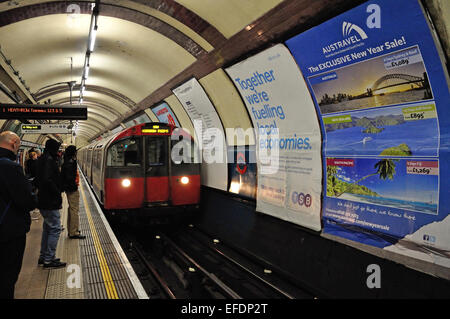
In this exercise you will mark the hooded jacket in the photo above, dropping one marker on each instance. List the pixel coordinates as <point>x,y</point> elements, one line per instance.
<point>48,178</point>
<point>16,200</point>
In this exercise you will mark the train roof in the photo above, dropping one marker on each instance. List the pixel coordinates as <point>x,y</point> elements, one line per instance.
<point>154,128</point>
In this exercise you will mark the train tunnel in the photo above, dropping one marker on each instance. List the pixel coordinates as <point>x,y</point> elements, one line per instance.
<point>300,110</point>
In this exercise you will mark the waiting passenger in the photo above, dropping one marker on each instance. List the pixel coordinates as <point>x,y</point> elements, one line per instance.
<point>31,173</point>
<point>70,182</point>
<point>31,164</point>
<point>49,203</point>
<point>16,201</point>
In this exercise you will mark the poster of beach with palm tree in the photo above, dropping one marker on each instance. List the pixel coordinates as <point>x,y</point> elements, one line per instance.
<point>409,185</point>
<point>410,130</point>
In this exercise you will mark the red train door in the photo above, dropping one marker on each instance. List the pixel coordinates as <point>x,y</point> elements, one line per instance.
<point>157,168</point>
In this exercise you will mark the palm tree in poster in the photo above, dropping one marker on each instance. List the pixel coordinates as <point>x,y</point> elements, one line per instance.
<point>385,169</point>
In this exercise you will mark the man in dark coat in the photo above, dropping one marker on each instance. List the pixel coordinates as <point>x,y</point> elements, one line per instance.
<point>16,202</point>
<point>70,180</point>
<point>31,164</point>
<point>49,203</point>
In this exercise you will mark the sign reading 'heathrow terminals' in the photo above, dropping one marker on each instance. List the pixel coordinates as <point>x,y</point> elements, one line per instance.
<point>45,129</point>
<point>38,112</point>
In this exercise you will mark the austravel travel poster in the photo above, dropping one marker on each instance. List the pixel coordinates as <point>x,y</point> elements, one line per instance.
<point>380,88</point>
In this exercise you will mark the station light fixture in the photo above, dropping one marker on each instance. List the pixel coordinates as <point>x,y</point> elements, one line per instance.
<point>86,72</point>
<point>93,37</point>
<point>90,47</point>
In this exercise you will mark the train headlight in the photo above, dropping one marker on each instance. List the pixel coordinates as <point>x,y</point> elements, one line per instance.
<point>185,180</point>
<point>126,182</point>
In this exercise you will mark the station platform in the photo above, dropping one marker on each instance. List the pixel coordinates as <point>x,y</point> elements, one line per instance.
<point>97,267</point>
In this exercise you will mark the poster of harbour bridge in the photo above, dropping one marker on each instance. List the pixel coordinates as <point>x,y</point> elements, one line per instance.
<point>381,81</point>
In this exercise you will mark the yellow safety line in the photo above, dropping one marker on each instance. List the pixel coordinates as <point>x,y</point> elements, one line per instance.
<point>106,274</point>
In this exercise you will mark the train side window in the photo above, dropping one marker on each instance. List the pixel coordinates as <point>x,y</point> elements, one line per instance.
<point>124,153</point>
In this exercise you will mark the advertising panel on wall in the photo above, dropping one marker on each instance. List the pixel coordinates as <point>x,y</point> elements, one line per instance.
<point>382,93</point>
<point>143,118</point>
<point>242,170</point>
<point>278,101</point>
<point>165,114</point>
<point>208,129</point>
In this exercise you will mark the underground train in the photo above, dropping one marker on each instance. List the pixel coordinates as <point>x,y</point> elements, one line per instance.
<point>148,170</point>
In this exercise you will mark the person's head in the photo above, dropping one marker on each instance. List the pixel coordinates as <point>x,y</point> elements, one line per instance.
<point>71,151</point>
<point>32,154</point>
<point>38,152</point>
<point>51,147</point>
<point>10,141</point>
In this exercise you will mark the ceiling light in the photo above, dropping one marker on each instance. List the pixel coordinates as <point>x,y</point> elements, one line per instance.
<point>86,72</point>
<point>92,40</point>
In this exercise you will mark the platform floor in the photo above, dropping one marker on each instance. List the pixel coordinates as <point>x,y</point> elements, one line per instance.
<point>97,268</point>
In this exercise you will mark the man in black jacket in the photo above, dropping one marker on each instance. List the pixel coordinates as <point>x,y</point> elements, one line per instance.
<point>16,202</point>
<point>70,180</point>
<point>31,164</point>
<point>49,203</point>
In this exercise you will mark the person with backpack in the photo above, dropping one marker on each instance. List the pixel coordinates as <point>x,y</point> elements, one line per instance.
<point>16,202</point>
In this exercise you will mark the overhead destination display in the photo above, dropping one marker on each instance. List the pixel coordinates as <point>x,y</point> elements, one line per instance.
<point>381,90</point>
<point>45,129</point>
<point>288,147</point>
<point>41,112</point>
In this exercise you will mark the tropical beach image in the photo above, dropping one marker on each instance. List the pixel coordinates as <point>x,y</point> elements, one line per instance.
<point>410,185</point>
<point>394,131</point>
<point>396,78</point>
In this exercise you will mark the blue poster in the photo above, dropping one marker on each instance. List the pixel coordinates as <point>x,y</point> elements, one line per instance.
<point>165,115</point>
<point>382,96</point>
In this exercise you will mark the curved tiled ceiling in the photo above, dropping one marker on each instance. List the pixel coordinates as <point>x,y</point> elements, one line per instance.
<point>229,16</point>
<point>141,45</point>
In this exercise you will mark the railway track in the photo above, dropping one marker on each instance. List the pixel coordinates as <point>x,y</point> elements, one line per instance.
<point>181,264</point>
<point>249,277</point>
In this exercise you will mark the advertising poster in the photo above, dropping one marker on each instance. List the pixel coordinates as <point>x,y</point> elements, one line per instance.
<point>165,115</point>
<point>382,94</point>
<point>278,100</point>
<point>208,129</point>
<point>143,118</point>
<point>242,170</point>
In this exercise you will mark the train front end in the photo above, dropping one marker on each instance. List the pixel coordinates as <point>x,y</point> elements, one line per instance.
<point>151,171</point>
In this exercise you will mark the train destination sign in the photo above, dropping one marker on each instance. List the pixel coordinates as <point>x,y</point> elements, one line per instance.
<point>41,112</point>
<point>45,129</point>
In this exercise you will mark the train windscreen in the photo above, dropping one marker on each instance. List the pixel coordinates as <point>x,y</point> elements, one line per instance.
<point>126,152</point>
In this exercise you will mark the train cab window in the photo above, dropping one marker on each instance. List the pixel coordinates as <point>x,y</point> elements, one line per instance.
<point>124,153</point>
<point>156,151</point>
